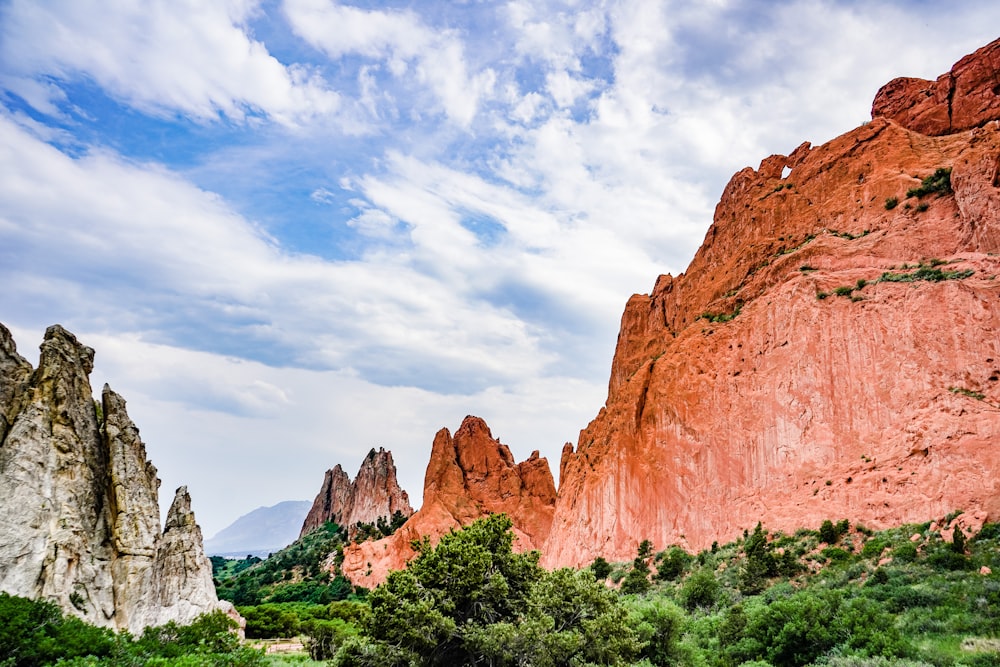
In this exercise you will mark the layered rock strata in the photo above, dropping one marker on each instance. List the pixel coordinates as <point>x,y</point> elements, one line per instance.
<point>79,518</point>
<point>470,475</point>
<point>833,349</point>
<point>374,494</point>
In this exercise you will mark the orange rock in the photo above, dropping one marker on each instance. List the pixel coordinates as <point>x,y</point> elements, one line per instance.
<point>737,396</point>
<point>962,99</point>
<point>469,476</point>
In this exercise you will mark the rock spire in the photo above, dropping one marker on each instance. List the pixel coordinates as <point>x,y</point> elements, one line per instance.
<point>79,519</point>
<point>470,475</point>
<point>374,494</point>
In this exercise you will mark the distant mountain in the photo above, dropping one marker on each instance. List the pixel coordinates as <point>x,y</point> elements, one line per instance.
<point>262,531</point>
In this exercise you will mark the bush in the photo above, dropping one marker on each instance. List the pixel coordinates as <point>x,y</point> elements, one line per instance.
<point>600,568</point>
<point>672,563</point>
<point>939,182</point>
<point>891,203</point>
<point>904,553</point>
<point>701,589</point>
<point>36,633</point>
<point>471,600</point>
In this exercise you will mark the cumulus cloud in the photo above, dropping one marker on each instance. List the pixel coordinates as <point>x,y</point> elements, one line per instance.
<point>163,57</point>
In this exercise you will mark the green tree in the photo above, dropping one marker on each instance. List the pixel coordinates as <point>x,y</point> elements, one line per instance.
<point>472,600</point>
<point>672,563</point>
<point>600,568</point>
<point>760,563</point>
<point>700,590</point>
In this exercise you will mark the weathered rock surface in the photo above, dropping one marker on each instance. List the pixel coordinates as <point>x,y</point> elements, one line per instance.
<point>962,99</point>
<point>79,519</point>
<point>470,475</point>
<point>374,494</point>
<point>737,395</point>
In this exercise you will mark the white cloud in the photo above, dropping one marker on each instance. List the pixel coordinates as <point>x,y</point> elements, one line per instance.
<point>161,56</point>
<point>401,39</point>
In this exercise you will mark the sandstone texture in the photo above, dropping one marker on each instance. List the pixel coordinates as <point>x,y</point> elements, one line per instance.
<point>470,475</point>
<point>374,494</point>
<point>962,99</point>
<point>738,395</point>
<point>79,519</point>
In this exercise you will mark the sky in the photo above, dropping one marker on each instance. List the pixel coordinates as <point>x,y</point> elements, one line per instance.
<point>294,230</point>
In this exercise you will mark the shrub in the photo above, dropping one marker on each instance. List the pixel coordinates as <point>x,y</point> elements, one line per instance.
<point>701,589</point>
<point>672,563</point>
<point>904,553</point>
<point>828,533</point>
<point>600,568</point>
<point>939,182</point>
<point>891,203</point>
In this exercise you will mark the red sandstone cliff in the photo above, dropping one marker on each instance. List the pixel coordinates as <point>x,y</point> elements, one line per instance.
<point>373,494</point>
<point>469,476</point>
<point>737,395</point>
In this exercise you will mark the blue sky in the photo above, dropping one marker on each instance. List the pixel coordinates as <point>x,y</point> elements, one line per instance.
<point>297,229</point>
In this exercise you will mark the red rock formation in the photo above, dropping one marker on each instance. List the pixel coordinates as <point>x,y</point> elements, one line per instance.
<point>962,99</point>
<point>469,476</point>
<point>374,494</point>
<point>737,395</point>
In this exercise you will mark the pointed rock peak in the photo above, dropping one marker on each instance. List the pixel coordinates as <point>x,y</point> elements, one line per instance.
<point>473,427</point>
<point>180,515</point>
<point>60,347</point>
<point>374,494</point>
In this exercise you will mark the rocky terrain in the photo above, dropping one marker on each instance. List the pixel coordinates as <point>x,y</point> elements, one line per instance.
<point>833,350</point>
<point>470,475</point>
<point>79,516</point>
<point>374,494</point>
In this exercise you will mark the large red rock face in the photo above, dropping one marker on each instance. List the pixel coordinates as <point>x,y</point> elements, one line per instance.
<point>470,475</point>
<point>373,494</point>
<point>882,406</point>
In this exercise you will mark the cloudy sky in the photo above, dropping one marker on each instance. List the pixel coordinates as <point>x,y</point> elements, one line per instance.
<point>297,229</point>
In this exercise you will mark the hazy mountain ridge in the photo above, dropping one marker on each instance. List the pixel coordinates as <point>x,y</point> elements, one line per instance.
<point>261,531</point>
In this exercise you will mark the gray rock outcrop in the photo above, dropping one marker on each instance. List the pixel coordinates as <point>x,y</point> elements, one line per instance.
<point>79,516</point>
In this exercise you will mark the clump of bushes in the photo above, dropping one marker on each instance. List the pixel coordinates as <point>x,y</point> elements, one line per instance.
<point>939,182</point>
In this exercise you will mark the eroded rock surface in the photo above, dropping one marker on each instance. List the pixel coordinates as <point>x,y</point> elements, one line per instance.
<point>738,395</point>
<point>79,519</point>
<point>374,494</point>
<point>470,475</point>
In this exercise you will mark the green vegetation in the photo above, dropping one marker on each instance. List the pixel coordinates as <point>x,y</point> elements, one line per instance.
<point>472,600</point>
<point>789,251</point>
<point>35,633</point>
<point>297,573</point>
<point>849,236</point>
<point>967,392</point>
<point>717,318</point>
<point>832,597</point>
<point>925,271</point>
<point>891,203</point>
<point>939,182</point>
